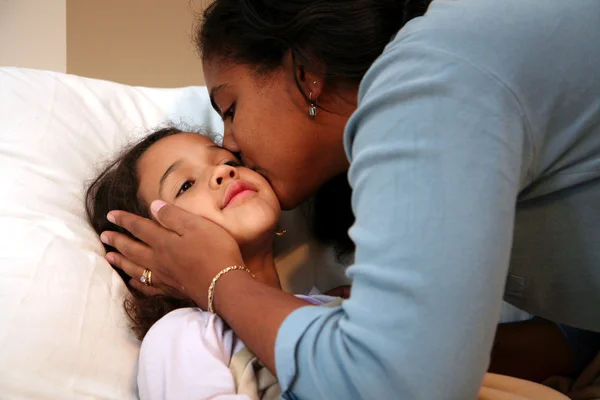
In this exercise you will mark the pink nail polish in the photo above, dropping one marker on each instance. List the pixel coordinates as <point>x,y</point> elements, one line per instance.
<point>157,205</point>
<point>104,238</point>
<point>110,218</point>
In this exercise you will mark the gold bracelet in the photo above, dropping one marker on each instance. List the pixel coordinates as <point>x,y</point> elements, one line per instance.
<point>211,288</point>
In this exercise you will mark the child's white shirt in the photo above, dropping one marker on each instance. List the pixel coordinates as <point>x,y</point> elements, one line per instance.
<point>186,355</point>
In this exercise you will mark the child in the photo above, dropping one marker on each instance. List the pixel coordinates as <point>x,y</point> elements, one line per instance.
<point>189,170</point>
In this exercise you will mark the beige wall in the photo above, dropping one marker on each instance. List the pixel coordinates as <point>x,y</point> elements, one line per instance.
<point>137,42</point>
<point>33,34</point>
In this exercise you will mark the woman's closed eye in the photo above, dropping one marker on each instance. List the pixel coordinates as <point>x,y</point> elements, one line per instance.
<point>229,113</point>
<point>184,187</point>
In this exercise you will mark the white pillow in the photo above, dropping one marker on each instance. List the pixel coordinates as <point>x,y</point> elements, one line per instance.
<point>63,331</point>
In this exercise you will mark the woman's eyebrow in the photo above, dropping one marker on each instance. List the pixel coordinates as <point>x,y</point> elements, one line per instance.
<point>168,172</point>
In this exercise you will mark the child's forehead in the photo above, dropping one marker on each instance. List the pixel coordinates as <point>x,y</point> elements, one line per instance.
<point>187,145</point>
<point>195,137</point>
<point>186,139</point>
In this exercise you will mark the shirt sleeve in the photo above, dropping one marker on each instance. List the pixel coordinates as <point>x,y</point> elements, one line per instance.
<point>186,355</point>
<point>438,148</point>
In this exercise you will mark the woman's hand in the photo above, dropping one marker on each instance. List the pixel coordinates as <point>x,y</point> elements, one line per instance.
<point>183,251</point>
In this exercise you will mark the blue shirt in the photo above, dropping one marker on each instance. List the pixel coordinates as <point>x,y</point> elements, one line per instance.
<point>475,168</point>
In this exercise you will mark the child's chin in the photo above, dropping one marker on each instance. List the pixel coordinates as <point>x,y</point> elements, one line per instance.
<point>259,217</point>
<point>255,230</point>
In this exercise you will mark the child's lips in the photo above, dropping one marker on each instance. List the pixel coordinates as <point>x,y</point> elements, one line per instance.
<point>237,190</point>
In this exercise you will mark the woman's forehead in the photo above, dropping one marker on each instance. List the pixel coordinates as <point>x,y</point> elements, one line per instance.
<point>219,72</point>
<point>212,72</point>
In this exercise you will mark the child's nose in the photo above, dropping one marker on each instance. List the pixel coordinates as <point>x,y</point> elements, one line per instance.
<point>223,172</point>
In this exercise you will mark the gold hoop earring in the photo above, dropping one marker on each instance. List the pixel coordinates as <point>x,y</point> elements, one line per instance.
<point>281,232</point>
<point>312,109</point>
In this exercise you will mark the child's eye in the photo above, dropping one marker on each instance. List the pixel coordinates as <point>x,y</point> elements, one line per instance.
<point>233,163</point>
<point>186,185</point>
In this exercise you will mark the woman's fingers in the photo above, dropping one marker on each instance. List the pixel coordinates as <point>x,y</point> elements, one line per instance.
<point>137,252</point>
<point>180,250</point>
<point>135,272</point>
<point>117,260</point>
<point>171,217</point>
<point>147,290</point>
<point>146,230</point>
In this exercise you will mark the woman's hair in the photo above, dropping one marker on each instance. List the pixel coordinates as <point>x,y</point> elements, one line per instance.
<point>343,36</point>
<point>330,217</point>
<point>116,189</point>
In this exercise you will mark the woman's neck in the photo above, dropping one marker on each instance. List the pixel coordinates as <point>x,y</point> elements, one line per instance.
<point>262,265</point>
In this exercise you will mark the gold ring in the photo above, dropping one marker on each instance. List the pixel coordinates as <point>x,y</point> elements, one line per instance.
<point>146,277</point>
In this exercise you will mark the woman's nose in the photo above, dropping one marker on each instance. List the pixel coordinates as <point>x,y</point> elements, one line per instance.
<point>229,141</point>
<point>222,174</point>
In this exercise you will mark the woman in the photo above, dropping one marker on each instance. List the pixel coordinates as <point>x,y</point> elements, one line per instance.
<point>473,146</point>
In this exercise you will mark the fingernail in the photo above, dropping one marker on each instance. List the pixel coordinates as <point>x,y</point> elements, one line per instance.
<point>110,218</point>
<point>110,258</point>
<point>104,238</point>
<point>157,205</point>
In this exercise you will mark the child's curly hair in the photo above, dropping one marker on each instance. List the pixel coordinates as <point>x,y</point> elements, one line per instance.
<point>116,189</point>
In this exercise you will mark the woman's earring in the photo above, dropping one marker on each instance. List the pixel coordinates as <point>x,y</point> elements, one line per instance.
<point>281,232</point>
<point>312,110</point>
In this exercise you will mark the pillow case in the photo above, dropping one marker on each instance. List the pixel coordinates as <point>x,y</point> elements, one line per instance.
<point>63,330</point>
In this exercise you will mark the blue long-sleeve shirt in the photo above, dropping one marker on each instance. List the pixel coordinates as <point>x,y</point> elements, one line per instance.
<point>475,168</point>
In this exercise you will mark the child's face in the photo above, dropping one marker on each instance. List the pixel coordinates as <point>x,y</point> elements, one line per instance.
<point>190,171</point>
